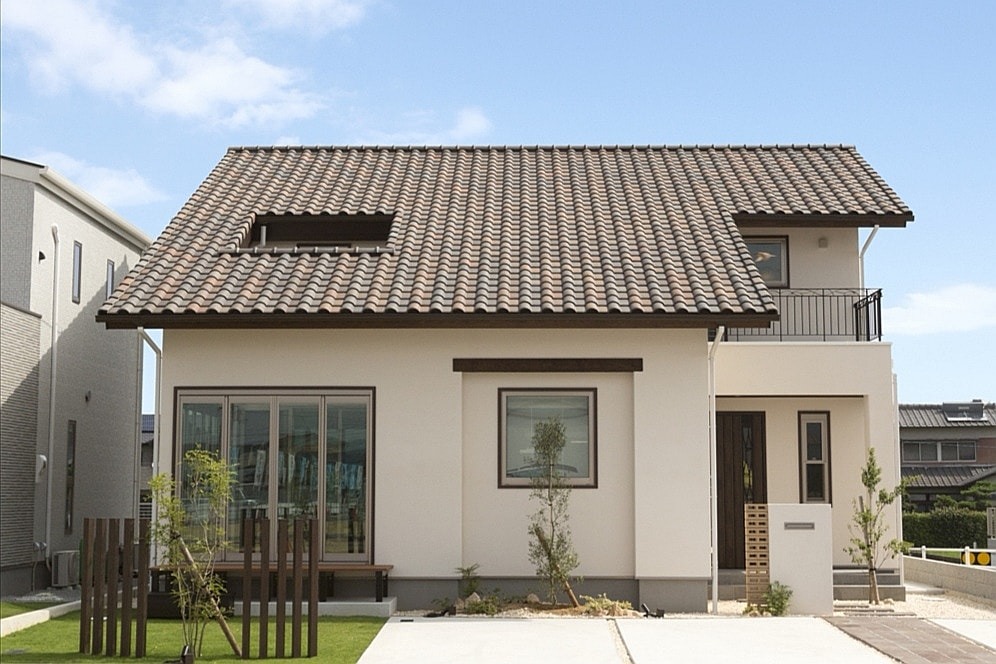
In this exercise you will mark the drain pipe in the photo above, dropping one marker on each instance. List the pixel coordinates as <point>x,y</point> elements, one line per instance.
<point>861,256</point>
<point>713,481</point>
<point>53,364</point>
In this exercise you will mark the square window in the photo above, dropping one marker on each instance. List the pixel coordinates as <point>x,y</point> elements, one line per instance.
<point>522,409</point>
<point>770,254</point>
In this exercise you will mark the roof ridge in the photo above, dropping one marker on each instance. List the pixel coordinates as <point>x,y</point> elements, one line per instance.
<point>550,147</point>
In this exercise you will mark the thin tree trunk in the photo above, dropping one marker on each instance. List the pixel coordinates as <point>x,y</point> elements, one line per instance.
<point>548,549</point>
<point>218,615</point>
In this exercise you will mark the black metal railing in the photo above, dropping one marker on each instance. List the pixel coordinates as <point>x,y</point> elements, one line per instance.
<point>824,314</point>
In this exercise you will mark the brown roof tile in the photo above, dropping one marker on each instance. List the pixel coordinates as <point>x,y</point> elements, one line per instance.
<point>643,235</point>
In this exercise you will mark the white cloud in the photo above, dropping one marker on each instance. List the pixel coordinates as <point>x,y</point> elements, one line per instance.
<point>958,308</point>
<point>315,16</point>
<point>114,188</point>
<point>75,42</point>
<point>470,125</point>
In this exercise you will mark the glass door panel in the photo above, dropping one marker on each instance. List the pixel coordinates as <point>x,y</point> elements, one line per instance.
<point>249,457</point>
<point>347,517</point>
<point>298,461</point>
<point>200,424</point>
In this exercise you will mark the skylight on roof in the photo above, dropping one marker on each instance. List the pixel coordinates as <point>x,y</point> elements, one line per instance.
<point>297,231</point>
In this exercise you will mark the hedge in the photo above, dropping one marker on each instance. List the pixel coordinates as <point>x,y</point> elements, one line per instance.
<point>945,528</point>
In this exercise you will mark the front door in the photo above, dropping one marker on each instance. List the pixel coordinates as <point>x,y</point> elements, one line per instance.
<point>741,479</point>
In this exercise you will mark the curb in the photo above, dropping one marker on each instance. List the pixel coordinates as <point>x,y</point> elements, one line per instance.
<point>31,618</point>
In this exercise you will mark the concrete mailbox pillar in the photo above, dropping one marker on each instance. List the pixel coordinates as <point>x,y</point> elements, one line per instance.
<point>800,555</point>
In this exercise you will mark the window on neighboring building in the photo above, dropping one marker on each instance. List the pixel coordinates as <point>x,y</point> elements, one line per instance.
<point>294,454</point>
<point>77,271</point>
<point>770,254</point>
<point>70,472</point>
<point>109,285</point>
<point>814,457</point>
<point>520,411</point>
<point>931,450</point>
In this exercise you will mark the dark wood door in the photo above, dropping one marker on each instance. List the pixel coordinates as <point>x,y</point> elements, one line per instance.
<point>741,478</point>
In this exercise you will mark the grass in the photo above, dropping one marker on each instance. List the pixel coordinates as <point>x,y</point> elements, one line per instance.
<point>340,641</point>
<point>8,609</point>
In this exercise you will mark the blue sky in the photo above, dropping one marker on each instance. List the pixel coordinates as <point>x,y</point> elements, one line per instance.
<point>137,100</point>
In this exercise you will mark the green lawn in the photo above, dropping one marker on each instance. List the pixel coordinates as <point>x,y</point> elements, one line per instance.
<point>340,640</point>
<point>8,609</point>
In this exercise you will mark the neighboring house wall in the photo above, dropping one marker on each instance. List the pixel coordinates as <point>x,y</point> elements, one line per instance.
<point>96,369</point>
<point>437,504</point>
<point>853,381</point>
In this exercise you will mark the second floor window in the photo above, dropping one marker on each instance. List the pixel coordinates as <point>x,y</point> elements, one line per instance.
<point>931,450</point>
<point>770,254</point>
<point>109,287</point>
<point>77,271</point>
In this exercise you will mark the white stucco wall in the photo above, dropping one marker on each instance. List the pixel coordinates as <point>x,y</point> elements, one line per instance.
<point>853,381</point>
<point>437,501</point>
<point>812,266</point>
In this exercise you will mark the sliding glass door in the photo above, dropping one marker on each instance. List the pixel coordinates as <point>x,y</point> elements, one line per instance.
<point>296,454</point>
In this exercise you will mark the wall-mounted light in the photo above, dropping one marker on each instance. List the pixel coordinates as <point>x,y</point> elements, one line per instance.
<point>823,243</point>
<point>41,256</point>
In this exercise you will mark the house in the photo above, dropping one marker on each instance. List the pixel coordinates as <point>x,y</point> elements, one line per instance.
<point>69,412</point>
<point>369,334</point>
<point>946,448</point>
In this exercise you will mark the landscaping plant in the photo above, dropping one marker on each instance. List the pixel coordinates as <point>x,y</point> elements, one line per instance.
<point>868,527</point>
<point>191,531</point>
<point>550,548</point>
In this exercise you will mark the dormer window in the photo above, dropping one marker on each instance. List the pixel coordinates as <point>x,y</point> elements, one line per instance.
<point>305,232</point>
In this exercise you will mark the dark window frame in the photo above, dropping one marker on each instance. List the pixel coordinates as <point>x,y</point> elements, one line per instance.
<point>805,417</point>
<point>782,240</point>
<point>588,482</point>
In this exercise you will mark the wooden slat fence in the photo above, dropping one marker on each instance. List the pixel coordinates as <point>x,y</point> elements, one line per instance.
<point>107,585</point>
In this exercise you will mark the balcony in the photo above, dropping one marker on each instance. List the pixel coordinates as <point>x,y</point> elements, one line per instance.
<point>820,314</point>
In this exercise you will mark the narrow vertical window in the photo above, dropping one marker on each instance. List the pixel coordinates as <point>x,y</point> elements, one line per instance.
<point>109,287</point>
<point>814,457</point>
<point>70,472</point>
<point>77,271</point>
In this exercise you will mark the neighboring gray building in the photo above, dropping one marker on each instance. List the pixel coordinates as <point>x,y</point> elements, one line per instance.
<point>946,448</point>
<point>61,459</point>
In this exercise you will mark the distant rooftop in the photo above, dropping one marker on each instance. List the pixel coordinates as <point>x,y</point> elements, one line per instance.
<point>973,413</point>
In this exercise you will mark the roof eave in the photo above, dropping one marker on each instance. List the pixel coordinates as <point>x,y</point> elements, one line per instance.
<point>434,320</point>
<point>755,220</point>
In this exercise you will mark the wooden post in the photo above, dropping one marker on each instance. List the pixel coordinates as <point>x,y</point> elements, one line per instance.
<point>298,583</point>
<point>247,542</point>
<point>143,587</point>
<point>127,568</point>
<point>86,592</point>
<point>100,570</point>
<point>314,553</point>
<point>113,541</point>
<point>264,586</point>
<point>281,585</point>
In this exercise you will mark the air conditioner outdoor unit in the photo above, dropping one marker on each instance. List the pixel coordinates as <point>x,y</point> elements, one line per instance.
<point>65,569</point>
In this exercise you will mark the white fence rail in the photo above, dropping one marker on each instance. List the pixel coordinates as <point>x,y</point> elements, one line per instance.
<point>968,555</point>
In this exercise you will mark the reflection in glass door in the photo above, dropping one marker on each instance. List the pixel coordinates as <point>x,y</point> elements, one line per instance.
<point>298,461</point>
<point>346,478</point>
<point>249,456</point>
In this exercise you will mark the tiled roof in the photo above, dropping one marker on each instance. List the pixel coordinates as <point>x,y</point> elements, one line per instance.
<point>931,416</point>
<point>636,235</point>
<point>946,476</point>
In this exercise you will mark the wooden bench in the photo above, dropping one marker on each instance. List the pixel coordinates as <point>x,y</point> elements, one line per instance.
<point>326,569</point>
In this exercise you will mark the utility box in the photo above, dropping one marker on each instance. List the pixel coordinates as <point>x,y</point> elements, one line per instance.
<point>65,569</point>
<point>801,555</point>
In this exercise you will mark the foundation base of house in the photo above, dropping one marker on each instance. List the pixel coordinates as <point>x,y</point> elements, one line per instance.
<point>357,607</point>
<point>674,595</point>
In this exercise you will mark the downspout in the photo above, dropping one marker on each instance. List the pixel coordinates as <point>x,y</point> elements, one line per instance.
<point>53,364</point>
<point>713,481</point>
<point>861,256</point>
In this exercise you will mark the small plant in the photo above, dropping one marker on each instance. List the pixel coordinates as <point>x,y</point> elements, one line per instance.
<point>603,606</point>
<point>776,598</point>
<point>488,605</point>
<point>469,579</point>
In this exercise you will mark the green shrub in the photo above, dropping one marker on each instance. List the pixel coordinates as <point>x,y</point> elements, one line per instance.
<point>603,606</point>
<point>948,527</point>
<point>776,598</point>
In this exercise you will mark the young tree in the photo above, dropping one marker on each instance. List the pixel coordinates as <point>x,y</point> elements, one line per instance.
<point>551,549</point>
<point>868,525</point>
<point>191,531</point>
